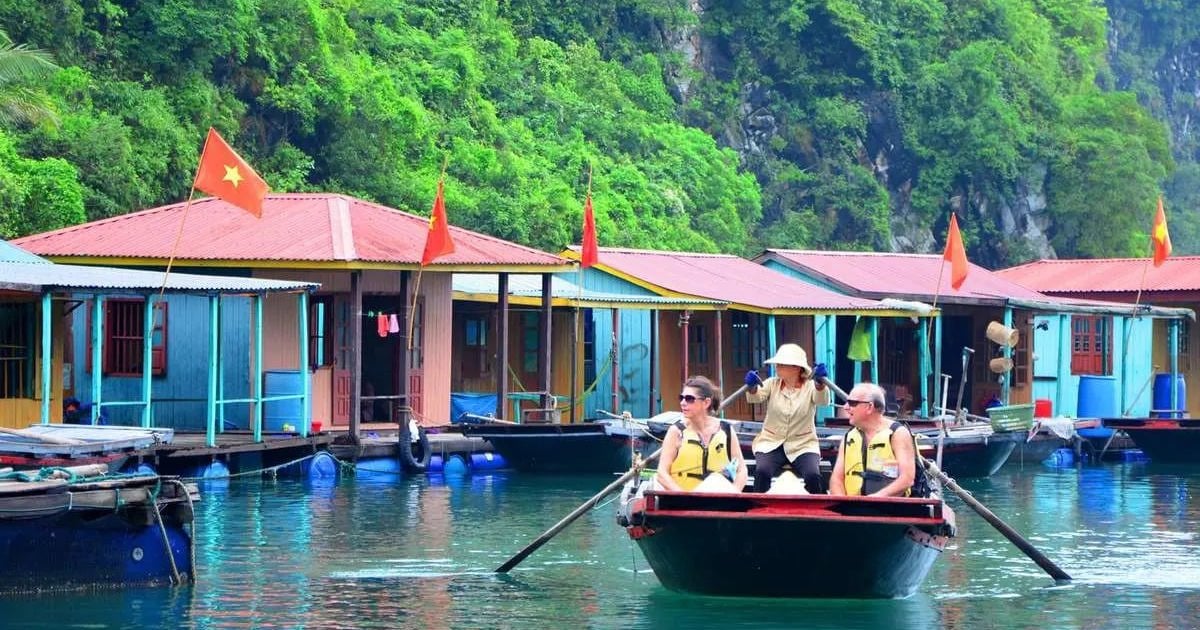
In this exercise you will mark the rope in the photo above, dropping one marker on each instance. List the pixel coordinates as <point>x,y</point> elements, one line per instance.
<point>162,528</point>
<point>604,368</point>
<point>192,543</point>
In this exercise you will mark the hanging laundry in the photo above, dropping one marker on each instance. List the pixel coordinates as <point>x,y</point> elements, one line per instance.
<point>393,324</point>
<point>382,325</point>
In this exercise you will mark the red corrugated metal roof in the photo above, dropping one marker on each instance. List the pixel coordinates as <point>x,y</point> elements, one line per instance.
<point>1178,273</point>
<point>726,278</point>
<point>294,227</point>
<point>913,276</point>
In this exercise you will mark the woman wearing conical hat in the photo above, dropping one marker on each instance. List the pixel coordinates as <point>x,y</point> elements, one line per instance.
<point>789,432</point>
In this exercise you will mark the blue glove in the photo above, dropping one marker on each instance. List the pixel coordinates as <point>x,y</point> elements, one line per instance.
<point>752,379</point>
<point>819,372</point>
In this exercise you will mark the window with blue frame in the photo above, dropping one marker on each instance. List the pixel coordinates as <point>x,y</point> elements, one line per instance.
<point>124,327</point>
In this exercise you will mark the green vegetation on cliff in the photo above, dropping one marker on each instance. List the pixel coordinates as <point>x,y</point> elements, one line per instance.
<point>786,123</point>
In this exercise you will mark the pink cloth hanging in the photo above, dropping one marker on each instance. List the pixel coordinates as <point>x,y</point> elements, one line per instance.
<point>382,325</point>
<point>393,324</point>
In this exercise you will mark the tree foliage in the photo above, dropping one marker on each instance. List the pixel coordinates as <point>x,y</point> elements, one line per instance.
<point>804,123</point>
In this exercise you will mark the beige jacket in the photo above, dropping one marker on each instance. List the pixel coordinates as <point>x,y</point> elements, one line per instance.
<point>791,418</point>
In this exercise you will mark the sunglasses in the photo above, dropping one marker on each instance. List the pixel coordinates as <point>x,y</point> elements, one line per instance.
<point>855,403</point>
<point>689,399</point>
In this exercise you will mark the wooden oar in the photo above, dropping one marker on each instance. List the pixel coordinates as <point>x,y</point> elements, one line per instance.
<point>590,503</point>
<point>1011,534</point>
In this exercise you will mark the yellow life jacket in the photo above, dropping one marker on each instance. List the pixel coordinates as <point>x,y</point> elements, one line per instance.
<point>880,459</point>
<point>694,462</point>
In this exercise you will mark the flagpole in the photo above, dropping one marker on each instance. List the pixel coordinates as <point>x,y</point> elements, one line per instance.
<point>937,291</point>
<point>174,248</point>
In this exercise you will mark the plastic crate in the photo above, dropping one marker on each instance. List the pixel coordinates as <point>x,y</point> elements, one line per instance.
<point>1011,417</point>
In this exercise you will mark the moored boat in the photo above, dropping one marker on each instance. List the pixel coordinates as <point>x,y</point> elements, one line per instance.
<point>748,545</point>
<point>42,445</point>
<point>80,527</point>
<point>588,447</point>
<point>1164,440</point>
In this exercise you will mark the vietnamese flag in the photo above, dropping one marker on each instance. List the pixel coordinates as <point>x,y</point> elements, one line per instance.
<point>591,252</point>
<point>437,241</point>
<point>1160,237</point>
<point>956,254</point>
<point>224,174</point>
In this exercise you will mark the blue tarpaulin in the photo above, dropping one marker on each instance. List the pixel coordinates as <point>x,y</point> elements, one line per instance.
<point>478,404</point>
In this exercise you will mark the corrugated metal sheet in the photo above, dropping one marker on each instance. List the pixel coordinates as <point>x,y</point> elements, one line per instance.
<point>911,276</point>
<point>37,277</point>
<point>524,285</point>
<point>12,253</point>
<point>294,227</point>
<point>727,278</point>
<point>1180,273</point>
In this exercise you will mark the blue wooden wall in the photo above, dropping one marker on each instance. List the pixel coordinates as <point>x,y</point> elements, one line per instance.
<point>179,395</point>
<point>1132,364</point>
<point>633,366</point>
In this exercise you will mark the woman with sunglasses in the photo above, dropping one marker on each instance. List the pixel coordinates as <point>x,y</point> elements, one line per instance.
<point>789,431</point>
<point>699,444</point>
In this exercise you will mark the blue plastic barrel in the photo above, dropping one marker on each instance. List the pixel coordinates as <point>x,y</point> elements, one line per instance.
<point>276,413</point>
<point>1097,397</point>
<point>1162,396</point>
<point>213,476</point>
<point>378,469</point>
<point>436,463</point>
<point>455,465</point>
<point>1060,458</point>
<point>487,461</point>
<point>322,466</point>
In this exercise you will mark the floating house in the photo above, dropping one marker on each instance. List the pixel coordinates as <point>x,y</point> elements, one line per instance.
<point>1175,284</point>
<point>1066,349</point>
<point>765,308</point>
<point>102,335</point>
<point>581,382</point>
<point>379,347</point>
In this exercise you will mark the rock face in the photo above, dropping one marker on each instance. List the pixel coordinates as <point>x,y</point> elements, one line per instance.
<point>1018,224</point>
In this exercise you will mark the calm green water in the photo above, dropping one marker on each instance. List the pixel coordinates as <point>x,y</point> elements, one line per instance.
<point>419,553</point>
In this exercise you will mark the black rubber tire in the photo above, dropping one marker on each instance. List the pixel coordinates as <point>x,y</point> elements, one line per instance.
<point>414,461</point>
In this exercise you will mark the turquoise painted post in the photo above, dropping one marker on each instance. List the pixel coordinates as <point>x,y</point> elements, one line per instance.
<point>1174,366</point>
<point>147,358</point>
<point>937,355</point>
<point>47,356</point>
<point>305,380</point>
<point>923,359</point>
<point>220,369</point>
<point>771,339</point>
<point>320,330</point>
<point>97,355</point>
<point>214,313</point>
<point>875,350</point>
<point>1126,327</point>
<point>1006,385</point>
<point>256,387</point>
<point>1065,332</point>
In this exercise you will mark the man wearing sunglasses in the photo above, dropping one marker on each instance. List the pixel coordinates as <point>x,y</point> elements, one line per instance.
<point>877,456</point>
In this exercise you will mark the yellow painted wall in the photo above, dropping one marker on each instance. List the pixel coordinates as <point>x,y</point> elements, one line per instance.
<point>22,412</point>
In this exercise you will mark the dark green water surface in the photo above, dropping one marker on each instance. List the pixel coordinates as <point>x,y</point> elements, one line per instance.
<point>419,552</point>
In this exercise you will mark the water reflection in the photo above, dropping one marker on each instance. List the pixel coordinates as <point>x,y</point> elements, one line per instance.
<point>419,552</point>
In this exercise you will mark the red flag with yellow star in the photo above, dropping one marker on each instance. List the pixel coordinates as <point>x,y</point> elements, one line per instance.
<point>1160,236</point>
<point>437,241</point>
<point>224,174</point>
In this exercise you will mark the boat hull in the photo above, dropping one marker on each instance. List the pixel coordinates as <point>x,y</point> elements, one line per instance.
<point>94,533</point>
<point>795,547</point>
<point>1165,441</point>
<point>563,448</point>
<point>72,551</point>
